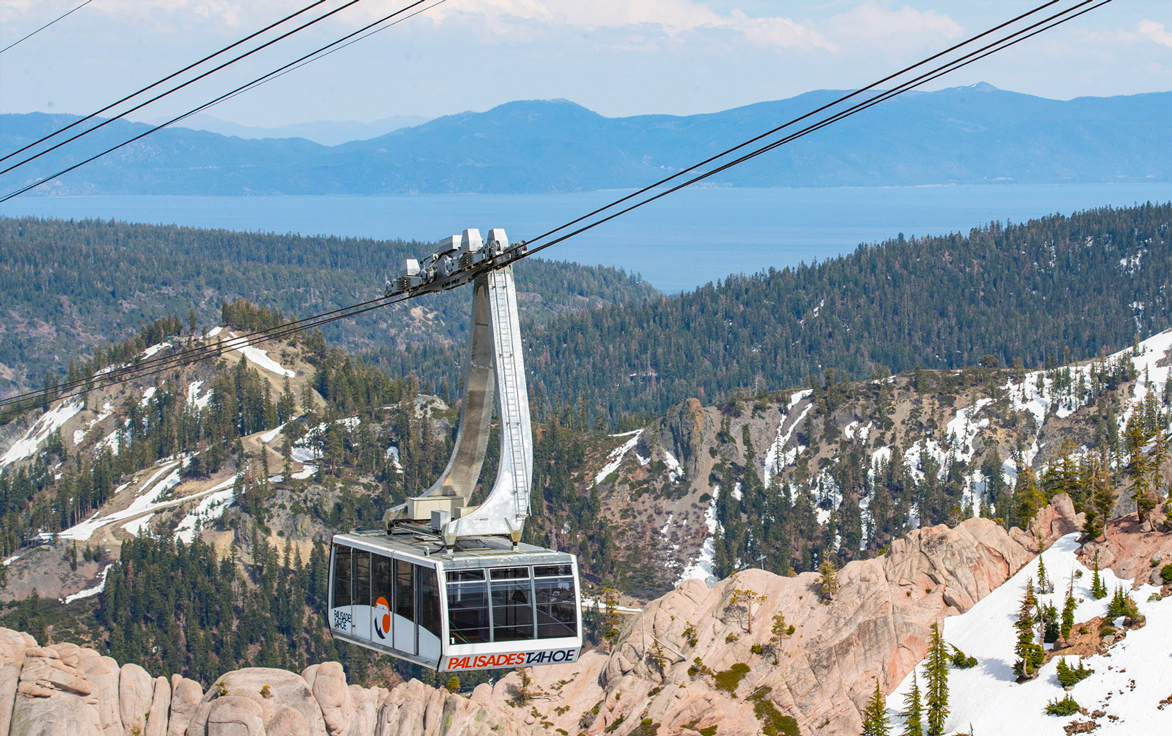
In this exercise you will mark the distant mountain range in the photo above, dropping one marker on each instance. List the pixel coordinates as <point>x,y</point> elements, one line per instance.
<point>325,132</point>
<point>964,135</point>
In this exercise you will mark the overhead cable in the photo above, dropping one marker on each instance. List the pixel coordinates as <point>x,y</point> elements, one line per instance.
<point>60,17</point>
<point>178,87</point>
<point>167,78</point>
<point>1053,21</point>
<point>206,105</point>
<point>795,121</point>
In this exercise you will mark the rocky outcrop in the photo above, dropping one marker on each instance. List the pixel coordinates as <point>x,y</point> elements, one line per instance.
<point>1132,550</point>
<point>66,690</point>
<point>673,660</point>
<point>690,428</point>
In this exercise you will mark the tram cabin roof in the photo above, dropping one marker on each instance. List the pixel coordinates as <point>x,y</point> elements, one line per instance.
<point>468,552</point>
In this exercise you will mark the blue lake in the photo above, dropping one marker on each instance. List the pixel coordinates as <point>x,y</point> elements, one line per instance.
<point>680,242</point>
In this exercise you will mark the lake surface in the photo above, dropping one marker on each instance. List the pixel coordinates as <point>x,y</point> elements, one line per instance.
<point>677,243</point>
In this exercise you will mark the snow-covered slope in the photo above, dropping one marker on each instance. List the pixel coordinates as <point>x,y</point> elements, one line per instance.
<point>1128,683</point>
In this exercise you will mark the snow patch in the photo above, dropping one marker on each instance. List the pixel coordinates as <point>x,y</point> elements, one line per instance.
<point>962,430</point>
<point>615,458</point>
<point>193,397</point>
<point>49,422</point>
<point>704,567</point>
<point>271,435</point>
<point>674,470</point>
<point>777,457</point>
<point>393,456</point>
<point>209,507</point>
<point>256,356</point>
<point>90,592</point>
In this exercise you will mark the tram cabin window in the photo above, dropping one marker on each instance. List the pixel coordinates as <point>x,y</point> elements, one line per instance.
<point>557,606</point>
<point>405,589</point>
<point>429,602</point>
<point>512,604</point>
<point>467,606</point>
<point>361,578</point>
<point>342,575</point>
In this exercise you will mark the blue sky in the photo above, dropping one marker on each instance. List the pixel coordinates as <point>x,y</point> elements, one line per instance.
<point>619,57</point>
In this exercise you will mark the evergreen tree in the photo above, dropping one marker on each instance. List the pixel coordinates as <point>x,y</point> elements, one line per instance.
<point>1029,652</point>
<point>1098,589</point>
<point>1049,623</point>
<point>1101,497</point>
<point>828,579</point>
<point>287,460</point>
<point>1068,608</point>
<point>937,689</point>
<point>875,715</point>
<point>913,710</point>
<point>1136,437</point>
<point>1045,585</point>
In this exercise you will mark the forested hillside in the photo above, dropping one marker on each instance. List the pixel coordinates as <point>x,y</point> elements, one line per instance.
<point>1058,288</point>
<point>67,287</point>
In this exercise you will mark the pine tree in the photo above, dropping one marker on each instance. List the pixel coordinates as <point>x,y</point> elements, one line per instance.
<point>913,710</point>
<point>1029,652</point>
<point>1068,607</point>
<point>1098,589</point>
<point>1045,585</point>
<point>1027,496</point>
<point>1139,467</point>
<point>1100,498</point>
<point>937,690</point>
<point>828,580</point>
<point>287,461</point>
<point>875,715</point>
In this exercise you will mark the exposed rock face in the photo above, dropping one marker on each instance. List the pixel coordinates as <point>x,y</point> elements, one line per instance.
<point>877,626</point>
<point>1131,551</point>
<point>136,690</point>
<point>185,697</point>
<point>690,427</point>
<point>66,690</point>
<point>414,709</point>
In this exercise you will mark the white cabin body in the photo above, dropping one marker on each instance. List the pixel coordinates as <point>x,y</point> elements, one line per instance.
<point>480,605</point>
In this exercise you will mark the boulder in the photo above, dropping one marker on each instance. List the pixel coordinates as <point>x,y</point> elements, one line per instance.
<point>160,708</point>
<point>414,709</point>
<point>53,696</point>
<point>1057,519</point>
<point>287,722</point>
<point>185,697</point>
<point>366,703</point>
<point>332,695</point>
<point>309,674</point>
<point>271,690</point>
<point>136,690</point>
<point>55,715</point>
<point>9,679</point>
<point>13,644</point>
<point>103,675</point>
<point>235,716</point>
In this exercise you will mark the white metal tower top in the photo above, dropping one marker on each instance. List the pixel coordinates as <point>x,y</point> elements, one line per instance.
<point>495,370</point>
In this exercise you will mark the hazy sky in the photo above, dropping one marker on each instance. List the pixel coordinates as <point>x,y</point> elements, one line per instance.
<point>619,57</point>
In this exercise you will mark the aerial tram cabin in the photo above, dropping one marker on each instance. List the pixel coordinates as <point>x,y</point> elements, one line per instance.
<point>445,584</point>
